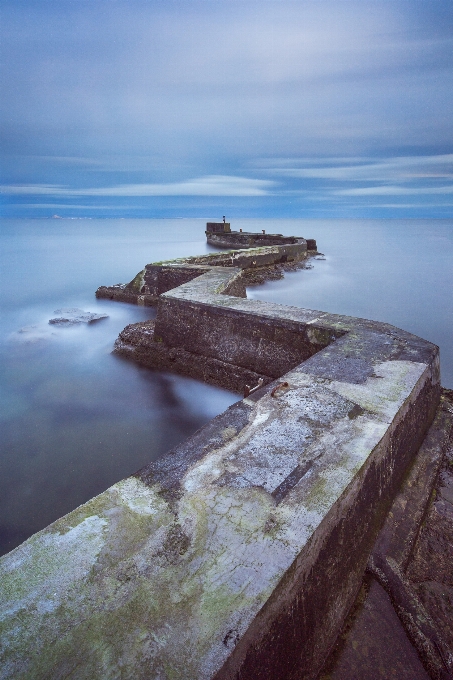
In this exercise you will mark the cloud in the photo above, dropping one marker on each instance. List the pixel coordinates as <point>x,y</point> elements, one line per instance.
<point>76,206</point>
<point>355,178</point>
<point>214,185</point>
<point>342,100</point>
<point>393,191</point>
<point>223,79</point>
<point>418,206</point>
<point>403,168</point>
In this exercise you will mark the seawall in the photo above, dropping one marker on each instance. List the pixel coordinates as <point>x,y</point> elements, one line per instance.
<point>244,239</point>
<point>240,553</point>
<point>159,277</point>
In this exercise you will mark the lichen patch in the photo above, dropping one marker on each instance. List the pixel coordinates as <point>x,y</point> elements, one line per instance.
<point>385,392</point>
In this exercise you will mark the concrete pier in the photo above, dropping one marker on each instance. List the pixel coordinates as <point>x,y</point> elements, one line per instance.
<point>240,553</point>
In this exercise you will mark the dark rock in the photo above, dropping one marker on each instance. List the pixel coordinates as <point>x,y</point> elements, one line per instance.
<point>376,645</point>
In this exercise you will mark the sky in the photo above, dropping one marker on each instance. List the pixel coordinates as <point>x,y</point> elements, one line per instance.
<point>133,108</point>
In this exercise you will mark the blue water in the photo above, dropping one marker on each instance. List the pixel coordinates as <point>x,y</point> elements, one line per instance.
<point>75,418</point>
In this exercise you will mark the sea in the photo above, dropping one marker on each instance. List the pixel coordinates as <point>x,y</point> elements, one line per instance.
<point>75,418</point>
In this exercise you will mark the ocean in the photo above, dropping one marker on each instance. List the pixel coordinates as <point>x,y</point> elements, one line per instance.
<point>75,418</point>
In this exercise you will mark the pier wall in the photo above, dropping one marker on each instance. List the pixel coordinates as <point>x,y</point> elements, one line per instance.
<point>238,554</point>
<point>243,239</point>
<point>157,278</point>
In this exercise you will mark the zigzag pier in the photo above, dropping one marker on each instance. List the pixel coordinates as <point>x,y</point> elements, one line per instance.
<point>241,553</point>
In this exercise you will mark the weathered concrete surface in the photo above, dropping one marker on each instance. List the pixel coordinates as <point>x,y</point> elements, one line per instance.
<point>402,623</point>
<point>159,277</point>
<point>204,318</point>
<point>218,226</point>
<point>137,342</point>
<point>244,239</point>
<point>240,553</point>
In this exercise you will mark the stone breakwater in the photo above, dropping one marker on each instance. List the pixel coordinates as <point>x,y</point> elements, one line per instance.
<point>244,239</point>
<point>240,553</point>
<point>256,265</point>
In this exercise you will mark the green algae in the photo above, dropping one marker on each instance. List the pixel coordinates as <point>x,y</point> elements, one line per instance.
<point>316,493</point>
<point>319,336</point>
<point>137,282</point>
<point>125,614</point>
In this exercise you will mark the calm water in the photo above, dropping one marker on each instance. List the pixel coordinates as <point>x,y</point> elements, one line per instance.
<point>75,419</point>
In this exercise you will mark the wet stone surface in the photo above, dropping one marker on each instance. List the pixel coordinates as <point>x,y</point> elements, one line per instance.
<point>69,316</point>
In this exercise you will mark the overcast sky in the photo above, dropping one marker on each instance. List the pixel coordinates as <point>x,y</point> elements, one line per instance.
<point>270,108</point>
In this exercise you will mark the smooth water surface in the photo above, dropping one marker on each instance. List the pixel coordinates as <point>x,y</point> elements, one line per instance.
<point>75,419</point>
<point>397,271</point>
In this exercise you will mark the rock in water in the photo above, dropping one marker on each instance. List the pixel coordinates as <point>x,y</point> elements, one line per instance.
<point>31,334</point>
<point>73,315</point>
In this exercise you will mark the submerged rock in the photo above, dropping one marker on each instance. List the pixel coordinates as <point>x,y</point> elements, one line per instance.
<point>73,315</point>
<point>31,334</point>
